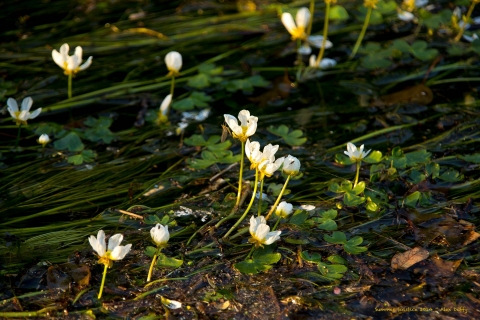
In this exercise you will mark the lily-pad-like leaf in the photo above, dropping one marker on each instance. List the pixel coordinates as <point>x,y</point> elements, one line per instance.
<point>399,160</point>
<point>167,262</point>
<point>451,175</point>
<point>71,141</point>
<point>85,156</point>
<point>208,74</point>
<point>314,257</point>
<point>417,157</point>
<point>197,140</point>
<point>293,138</point>
<point>325,221</point>
<point>338,13</point>
<point>352,245</point>
<point>373,157</point>
<point>262,260</point>
<point>416,176</point>
<point>433,170</point>
<point>473,158</point>
<point>210,158</point>
<point>99,129</point>
<point>336,259</point>
<point>196,99</point>
<point>299,217</point>
<point>337,237</point>
<point>246,85</point>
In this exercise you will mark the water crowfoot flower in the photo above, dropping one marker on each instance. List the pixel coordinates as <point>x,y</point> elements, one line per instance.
<point>247,127</point>
<point>297,30</point>
<point>163,110</point>
<point>174,63</point>
<point>43,140</point>
<point>291,167</point>
<point>70,64</point>
<point>21,116</point>
<point>107,255</point>
<point>284,209</point>
<point>160,236</point>
<point>356,155</point>
<point>260,232</point>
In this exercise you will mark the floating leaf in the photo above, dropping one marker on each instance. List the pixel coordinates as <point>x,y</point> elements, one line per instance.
<point>474,158</point>
<point>352,245</point>
<point>71,141</point>
<point>293,138</point>
<point>451,175</point>
<point>166,262</point>
<point>99,129</point>
<point>86,156</point>
<point>374,157</point>
<point>337,237</point>
<point>196,99</point>
<point>338,13</point>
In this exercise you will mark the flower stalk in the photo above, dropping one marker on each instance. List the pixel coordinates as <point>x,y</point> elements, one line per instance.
<point>362,33</point>
<point>246,210</point>
<point>467,17</point>
<point>325,33</point>
<point>103,281</point>
<point>260,198</point>
<point>18,135</point>
<point>240,177</point>
<point>278,198</point>
<point>70,76</point>
<point>359,164</point>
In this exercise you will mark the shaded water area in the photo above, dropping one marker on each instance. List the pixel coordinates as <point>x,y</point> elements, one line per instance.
<point>401,244</point>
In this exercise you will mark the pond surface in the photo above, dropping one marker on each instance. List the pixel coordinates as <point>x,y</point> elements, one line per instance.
<point>401,243</point>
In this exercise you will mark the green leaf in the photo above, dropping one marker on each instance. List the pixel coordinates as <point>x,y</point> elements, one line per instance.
<point>167,262</point>
<point>99,129</point>
<point>373,157</point>
<point>47,128</point>
<point>343,159</point>
<point>246,85</point>
<point>385,7</point>
<point>474,158</point>
<point>402,45</point>
<point>328,225</point>
<point>299,217</point>
<point>433,170</point>
<point>197,99</point>
<point>359,188</point>
<point>416,176</point>
<point>198,140</point>
<point>451,175</point>
<point>85,156</point>
<point>262,260</point>
<point>399,160</point>
<point>412,199</point>
<point>199,81</point>
<point>374,62</point>
<point>293,138</point>
<point>336,238</point>
<point>351,199</point>
<point>338,13</point>
<point>314,257</point>
<point>71,141</point>
<point>336,259</point>
<point>354,249</point>
<point>417,157</point>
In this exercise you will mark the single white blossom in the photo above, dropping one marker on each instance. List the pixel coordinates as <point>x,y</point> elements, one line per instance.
<point>471,38</point>
<point>21,116</point>
<point>247,127</point>
<point>173,60</point>
<point>114,251</point>
<point>171,304</point>
<point>181,128</point>
<point>355,154</point>
<point>44,139</point>
<point>253,153</point>
<point>70,64</point>
<point>405,16</point>
<point>165,104</point>
<point>291,165</point>
<point>298,30</point>
<point>284,209</point>
<point>160,234</point>
<point>317,42</point>
<point>267,167</point>
<point>260,232</point>
<point>307,207</point>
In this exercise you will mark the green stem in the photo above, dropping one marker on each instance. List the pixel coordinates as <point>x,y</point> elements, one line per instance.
<point>18,135</point>
<point>70,76</point>
<point>299,56</point>
<point>310,23</point>
<point>359,163</point>
<point>241,176</point>
<point>467,17</point>
<point>250,253</point>
<point>260,198</point>
<point>276,223</point>
<point>172,86</point>
<point>103,281</point>
<point>325,33</point>
<point>248,208</point>
<point>150,271</point>
<point>278,199</point>
<point>362,34</point>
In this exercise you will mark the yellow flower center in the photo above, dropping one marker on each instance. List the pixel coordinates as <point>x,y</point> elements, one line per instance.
<point>370,4</point>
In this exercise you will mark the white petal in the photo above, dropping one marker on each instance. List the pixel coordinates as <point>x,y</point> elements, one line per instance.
<point>78,53</point>
<point>305,50</point>
<point>262,231</point>
<point>303,17</point>
<point>312,62</point>
<point>12,105</point>
<point>327,63</point>
<point>317,41</point>
<point>273,236</point>
<point>405,16</point>
<point>58,58</point>
<point>86,64</point>
<point>114,241</point>
<point>251,129</point>
<point>35,113</point>
<point>27,104</point>
<point>120,252</point>
<point>64,51</point>
<point>288,22</point>
<point>233,124</point>
<point>421,3</point>
<point>165,104</point>
<point>173,60</point>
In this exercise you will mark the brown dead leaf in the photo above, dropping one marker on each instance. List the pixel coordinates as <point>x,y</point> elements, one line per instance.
<point>409,258</point>
<point>222,305</point>
<point>470,237</point>
<point>420,94</point>
<point>444,268</point>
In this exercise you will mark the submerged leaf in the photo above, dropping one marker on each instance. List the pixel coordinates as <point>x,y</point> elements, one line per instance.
<point>408,258</point>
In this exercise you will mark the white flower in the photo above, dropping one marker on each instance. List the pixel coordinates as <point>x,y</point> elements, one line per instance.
<point>291,165</point>
<point>21,116</point>
<point>165,104</point>
<point>317,41</point>
<point>267,167</point>
<point>324,64</point>
<point>302,18</point>
<point>70,64</point>
<point>181,128</point>
<point>284,209</point>
<point>171,304</point>
<point>355,154</point>
<point>253,153</point>
<point>115,250</point>
<point>405,16</point>
<point>160,234</point>
<point>173,60</point>
<point>304,49</point>
<point>307,207</point>
<point>421,3</point>
<point>260,232</point>
<point>44,139</point>
<point>247,127</point>
<point>196,116</point>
